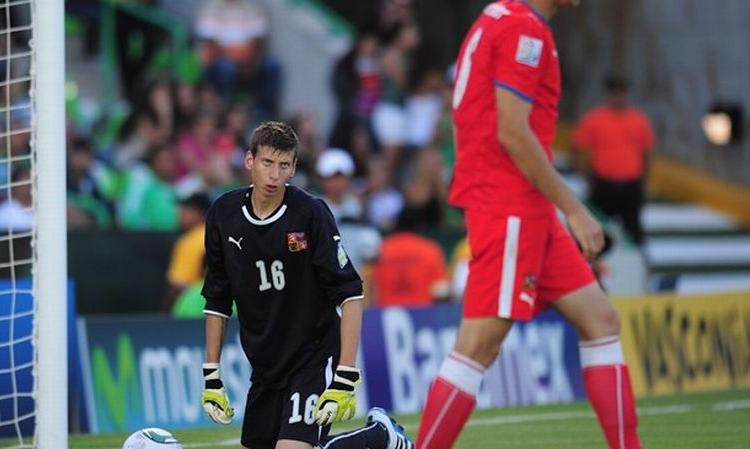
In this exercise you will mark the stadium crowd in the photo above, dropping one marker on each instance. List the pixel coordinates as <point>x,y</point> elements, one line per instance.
<point>383,170</point>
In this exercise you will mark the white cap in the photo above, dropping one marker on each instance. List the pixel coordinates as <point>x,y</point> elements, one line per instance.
<point>333,161</point>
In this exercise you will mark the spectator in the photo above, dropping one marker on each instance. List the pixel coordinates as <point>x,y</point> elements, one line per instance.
<point>91,187</point>
<point>384,202</point>
<point>423,108</point>
<point>150,124</point>
<point>424,189</point>
<point>310,147</point>
<point>411,269</point>
<point>401,40</point>
<point>618,137</point>
<point>356,86</point>
<point>186,265</point>
<point>198,155</point>
<point>233,43</point>
<point>16,212</point>
<point>149,200</point>
<point>335,168</point>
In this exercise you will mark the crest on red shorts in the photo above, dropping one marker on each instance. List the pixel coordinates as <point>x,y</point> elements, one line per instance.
<point>296,241</point>
<point>528,290</point>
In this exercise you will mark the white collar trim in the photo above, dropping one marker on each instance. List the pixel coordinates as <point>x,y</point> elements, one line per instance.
<point>266,221</point>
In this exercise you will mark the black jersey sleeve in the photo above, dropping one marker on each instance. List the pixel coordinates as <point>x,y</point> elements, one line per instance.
<point>216,288</point>
<point>335,273</point>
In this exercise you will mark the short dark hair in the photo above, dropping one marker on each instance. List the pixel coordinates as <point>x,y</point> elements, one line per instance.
<point>277,135</point>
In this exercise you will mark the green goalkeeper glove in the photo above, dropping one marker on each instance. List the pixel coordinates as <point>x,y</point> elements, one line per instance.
<point>214,399</point>
<point>338,402</point>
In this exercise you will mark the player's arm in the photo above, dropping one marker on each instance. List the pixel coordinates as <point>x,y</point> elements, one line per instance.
<point>216,290</point>
<point>215,328</point>
<point>516,136</point>
<point>351,328</point>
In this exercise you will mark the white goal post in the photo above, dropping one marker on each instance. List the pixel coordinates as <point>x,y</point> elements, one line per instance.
<point>50,252</point>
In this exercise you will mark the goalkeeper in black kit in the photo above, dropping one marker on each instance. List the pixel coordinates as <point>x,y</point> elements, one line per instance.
<point>275,251</point>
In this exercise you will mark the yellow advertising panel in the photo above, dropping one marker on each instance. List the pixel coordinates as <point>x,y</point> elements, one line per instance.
<point>686,343</point>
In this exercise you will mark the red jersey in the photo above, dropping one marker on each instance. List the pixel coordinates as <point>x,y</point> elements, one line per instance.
<point>510,46</point>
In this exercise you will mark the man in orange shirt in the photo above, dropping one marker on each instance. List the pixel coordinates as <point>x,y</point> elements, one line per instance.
<point>618,138</point>
<point>411,269</point>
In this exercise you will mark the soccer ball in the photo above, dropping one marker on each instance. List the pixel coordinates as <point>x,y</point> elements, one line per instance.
<point>151,438</point>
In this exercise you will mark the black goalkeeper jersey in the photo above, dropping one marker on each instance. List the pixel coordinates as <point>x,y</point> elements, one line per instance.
<point>286,274</point>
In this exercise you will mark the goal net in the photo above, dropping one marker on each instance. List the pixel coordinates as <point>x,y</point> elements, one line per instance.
<point>33,356</point>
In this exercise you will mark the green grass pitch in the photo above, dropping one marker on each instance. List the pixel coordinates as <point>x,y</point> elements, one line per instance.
<point>719,420</point>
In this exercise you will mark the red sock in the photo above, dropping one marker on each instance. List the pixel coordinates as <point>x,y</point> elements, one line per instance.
<point>607,383</point>
<point>450,401</point>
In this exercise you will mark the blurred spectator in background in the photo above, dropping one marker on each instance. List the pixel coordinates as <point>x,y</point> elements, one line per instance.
<point>309,148</point>
<point>150,123</point>
<point>383,202</point>
<point>356,85</point>
<point>616,137</point>
<point>335,168</point>
<point>411,269</point>
<point>424,106</point>
<point>393,12</point>
<point>199,162</point>
<point>362,244</point>
<point>231,142</point>
<point>186,264</point>
<point>149,200</point>
<point>91,187</point>
<point>232,36</point>
<point>16,213</point>
<point>389,121</point>
<point>425,189</point>
<point>185,97</point>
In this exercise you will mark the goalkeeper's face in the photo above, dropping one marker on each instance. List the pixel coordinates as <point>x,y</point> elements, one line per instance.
<point>270,169</point>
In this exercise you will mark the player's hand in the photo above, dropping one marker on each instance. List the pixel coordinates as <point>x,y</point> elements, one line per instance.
<point>338,402</point>
<point>587,232</point>
<point>214,399</point>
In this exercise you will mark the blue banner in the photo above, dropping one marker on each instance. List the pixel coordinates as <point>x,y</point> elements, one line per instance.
<point>146,371</point>
<point>403,350</point>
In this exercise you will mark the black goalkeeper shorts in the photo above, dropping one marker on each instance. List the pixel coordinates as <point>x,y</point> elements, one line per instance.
<point>286,413</point>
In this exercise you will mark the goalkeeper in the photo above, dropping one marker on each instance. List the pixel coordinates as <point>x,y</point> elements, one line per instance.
<point>275,250</point>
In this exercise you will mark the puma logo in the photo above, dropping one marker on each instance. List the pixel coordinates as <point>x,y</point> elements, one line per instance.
<point>525,297</point>
<point>236,242</point>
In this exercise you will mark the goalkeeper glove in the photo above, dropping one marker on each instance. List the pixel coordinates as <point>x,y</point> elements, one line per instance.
<point>214,399</point>
<point>338,402</point>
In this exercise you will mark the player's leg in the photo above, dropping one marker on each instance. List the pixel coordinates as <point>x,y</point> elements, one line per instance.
<point>380,432</point>
<point>505,251</point>
<point>452,395</point>
<point>291,444</point>
<point>605,374</point>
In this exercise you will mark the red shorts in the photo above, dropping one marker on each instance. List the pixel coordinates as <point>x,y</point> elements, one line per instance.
<point>519,266</point>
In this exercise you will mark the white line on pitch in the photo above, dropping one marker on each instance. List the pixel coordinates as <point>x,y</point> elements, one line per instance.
<point>536,417</point>
<point>732,405</point>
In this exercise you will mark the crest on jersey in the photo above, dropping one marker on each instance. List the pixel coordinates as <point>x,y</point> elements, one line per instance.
<point>340,253</point>
<point>296,241</point>
<point>529,50</point>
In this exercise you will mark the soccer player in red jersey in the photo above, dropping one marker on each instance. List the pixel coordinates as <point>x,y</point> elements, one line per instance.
<point>504,110</point>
